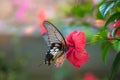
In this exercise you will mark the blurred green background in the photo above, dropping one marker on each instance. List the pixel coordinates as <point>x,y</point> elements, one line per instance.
<point>22,48</point>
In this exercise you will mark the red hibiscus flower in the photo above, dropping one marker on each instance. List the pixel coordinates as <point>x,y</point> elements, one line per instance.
<point>117,33</point>
<point>76,53</point>
<point>116,25</point>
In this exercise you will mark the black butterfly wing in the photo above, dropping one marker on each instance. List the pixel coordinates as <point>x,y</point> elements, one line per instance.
<point>54,35</point>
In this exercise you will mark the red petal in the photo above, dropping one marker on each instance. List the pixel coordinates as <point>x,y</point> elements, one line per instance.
<point>77,58</point>
<point>80,41</point>
<point>76,39</point>
<point>117,24</point>
<point>70,39</point>
<point>118,33</point>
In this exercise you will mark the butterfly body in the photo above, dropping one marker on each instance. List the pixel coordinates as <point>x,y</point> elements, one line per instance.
<point>56,41</point>
<point>54,52</point>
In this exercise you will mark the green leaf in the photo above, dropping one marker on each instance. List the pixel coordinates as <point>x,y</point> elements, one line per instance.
<point>96,38</point>
<point>104,33</point>
<point>116,45</point>
<point>100,36</point>
<point>115,30</point>
<point>115,66</point>
<point>105,49</point>
<point>80,10</point>
<point>2,55</point>
<point>112,18</point>
<point>117,1</point>
<point>99,16</point>
<point>105,7</point>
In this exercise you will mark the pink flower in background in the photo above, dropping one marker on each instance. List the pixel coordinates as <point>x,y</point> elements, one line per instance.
<point>42,17</point>
<point>16,2</point>
<point>89,76</point>
<point>95,2</point>
<point>98,23</point>
<point>116,25</point>
<point>20,13</point>
<point>29,30</point>
<point>76,53</point>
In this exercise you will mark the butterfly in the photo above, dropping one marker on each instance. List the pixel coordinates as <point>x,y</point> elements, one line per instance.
<point>56,41</point>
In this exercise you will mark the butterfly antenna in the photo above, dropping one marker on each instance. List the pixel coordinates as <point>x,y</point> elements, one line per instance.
<point>41,63</point>
<point>41,59</point>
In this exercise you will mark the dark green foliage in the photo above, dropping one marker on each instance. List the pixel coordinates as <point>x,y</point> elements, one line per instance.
<point>113,7</point>
<point>105,7</point>
<point>80,10</point>
<point>109,10</point>
<point>105,49</point>
<point>115,31</point>
<point>12,69</point>
<point>99,16</point>
<point>100,36</point>
<point>116,45</point>
<point>112,18</point>
<point>115,66</point>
